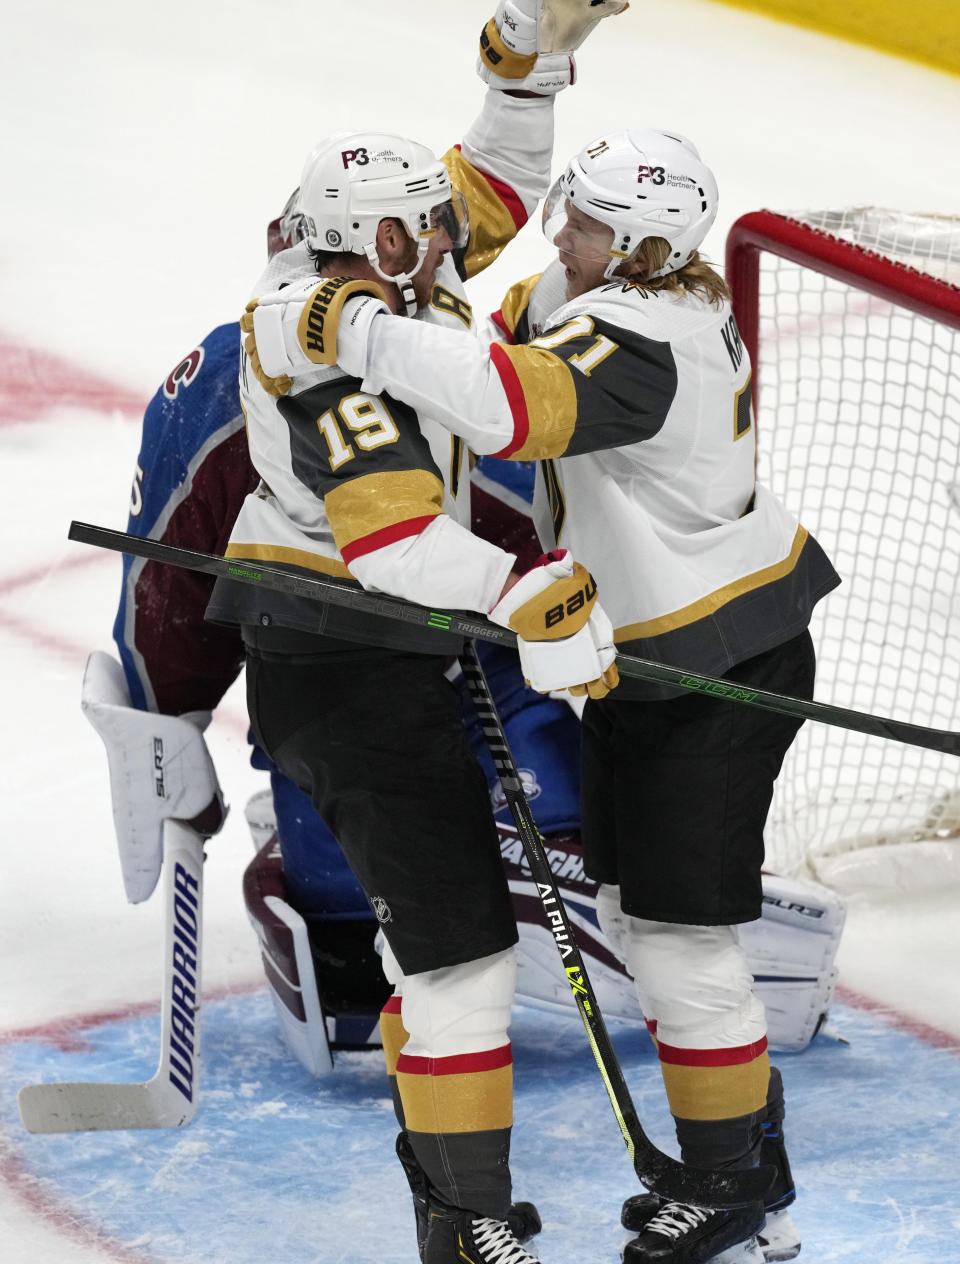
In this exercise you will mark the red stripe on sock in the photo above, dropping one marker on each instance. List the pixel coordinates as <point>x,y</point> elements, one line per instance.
<point>737,1056</point>
<point>457,1064</point>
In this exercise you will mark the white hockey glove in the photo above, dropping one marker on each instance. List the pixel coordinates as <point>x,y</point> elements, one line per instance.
<point>564,638</point>
<point>529,44</point>
<point>293,330</point>
<point>160,768</point>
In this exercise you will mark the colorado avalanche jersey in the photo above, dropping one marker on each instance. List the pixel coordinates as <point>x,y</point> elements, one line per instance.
<point>193,472</point>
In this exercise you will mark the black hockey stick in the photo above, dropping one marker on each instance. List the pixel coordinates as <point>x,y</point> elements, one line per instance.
<point>476,626</point>
<point>658,1171</point>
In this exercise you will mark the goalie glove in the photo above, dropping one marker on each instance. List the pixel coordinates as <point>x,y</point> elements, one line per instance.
<point>300,327</point>
<point>160,768</point>
<point>564,638</point>
<point>529,44</point>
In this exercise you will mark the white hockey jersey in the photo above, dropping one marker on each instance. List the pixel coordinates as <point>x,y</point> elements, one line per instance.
<point>637,406</point>
<point>356,484</point>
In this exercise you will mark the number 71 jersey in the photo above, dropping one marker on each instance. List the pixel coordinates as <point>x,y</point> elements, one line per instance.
<point>636,403</point>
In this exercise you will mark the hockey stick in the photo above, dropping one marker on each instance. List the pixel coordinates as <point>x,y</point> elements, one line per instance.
<point>169,1099</point>
<point>664,1175</point>
<point>476,626</point>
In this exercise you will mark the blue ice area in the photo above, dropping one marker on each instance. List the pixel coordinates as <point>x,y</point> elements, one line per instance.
<point>280,1167</point>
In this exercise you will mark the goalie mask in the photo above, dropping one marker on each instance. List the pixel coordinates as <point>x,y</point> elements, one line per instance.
<point>353,180</point>
<point>288,228</point>
<point>640,184</point>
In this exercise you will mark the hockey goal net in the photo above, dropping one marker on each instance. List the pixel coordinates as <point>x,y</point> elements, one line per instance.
<point>852,320</point>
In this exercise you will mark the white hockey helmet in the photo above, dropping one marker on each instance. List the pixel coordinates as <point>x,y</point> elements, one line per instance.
<point>643,183</point>
<point>353,180</point>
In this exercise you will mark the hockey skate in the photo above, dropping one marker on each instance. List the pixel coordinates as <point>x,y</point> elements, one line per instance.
<point>681,1234</point>
<point>523,1219</point>
<point>779,1239</point>
<point>455,1236</point>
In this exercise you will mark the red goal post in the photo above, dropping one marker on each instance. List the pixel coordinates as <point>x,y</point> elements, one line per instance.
<point>852,322</point>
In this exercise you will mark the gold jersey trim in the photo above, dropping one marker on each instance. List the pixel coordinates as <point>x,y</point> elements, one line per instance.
<point>377,502</point>
<point>516,301</point>
<point>551,416</point>
<point>292,557</point>
<point>491,224</point>
<point>714,601</point>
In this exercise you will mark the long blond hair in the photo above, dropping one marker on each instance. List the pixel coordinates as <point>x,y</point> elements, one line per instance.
<point>696,277</point>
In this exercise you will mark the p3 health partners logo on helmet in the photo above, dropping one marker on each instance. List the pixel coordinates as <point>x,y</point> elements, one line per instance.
<point>362,157</point>
<point>528,780</point>
<point>656,175</point>
<point>358,157</point>
<point>661,176</point>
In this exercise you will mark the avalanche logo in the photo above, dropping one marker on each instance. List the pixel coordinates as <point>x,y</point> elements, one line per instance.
<point>184,373</point>
<point>531,788</point>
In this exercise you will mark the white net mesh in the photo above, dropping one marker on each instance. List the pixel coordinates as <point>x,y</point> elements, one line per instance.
<point>858,419</point>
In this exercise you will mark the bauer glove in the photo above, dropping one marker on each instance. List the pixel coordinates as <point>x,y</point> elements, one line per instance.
<point>564,638</point>
<point>528,45</point>
<point>302,326</point>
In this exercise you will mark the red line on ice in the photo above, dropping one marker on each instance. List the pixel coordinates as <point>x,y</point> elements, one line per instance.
<point>33,381</point>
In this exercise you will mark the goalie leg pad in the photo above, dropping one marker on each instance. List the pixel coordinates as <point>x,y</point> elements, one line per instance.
<point>287,961</point>
<point>792,952</point>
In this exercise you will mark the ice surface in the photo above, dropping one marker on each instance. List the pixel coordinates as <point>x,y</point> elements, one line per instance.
<point>143,152</point>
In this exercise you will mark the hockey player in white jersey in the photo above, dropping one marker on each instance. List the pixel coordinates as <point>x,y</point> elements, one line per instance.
<point>357,710</point>
<point>622,371</point>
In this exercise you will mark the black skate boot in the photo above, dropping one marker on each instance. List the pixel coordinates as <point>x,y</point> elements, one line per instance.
<point>680,1234</point>
<point>779,1239</point>
<point>459,1237</point>
<point>523,1219</point>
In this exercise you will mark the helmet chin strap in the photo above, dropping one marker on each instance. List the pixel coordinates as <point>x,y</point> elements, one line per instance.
<point>402,280</point>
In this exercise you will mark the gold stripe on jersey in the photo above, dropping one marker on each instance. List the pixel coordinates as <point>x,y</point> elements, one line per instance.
<point>714,601</point>
<point>544,427</point>
<point>291,557</point>
<point>469,1102</point>
<point>717,1092</point>
<point>377,502</point>
<point>491,223</point>
<point>516,301</point>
